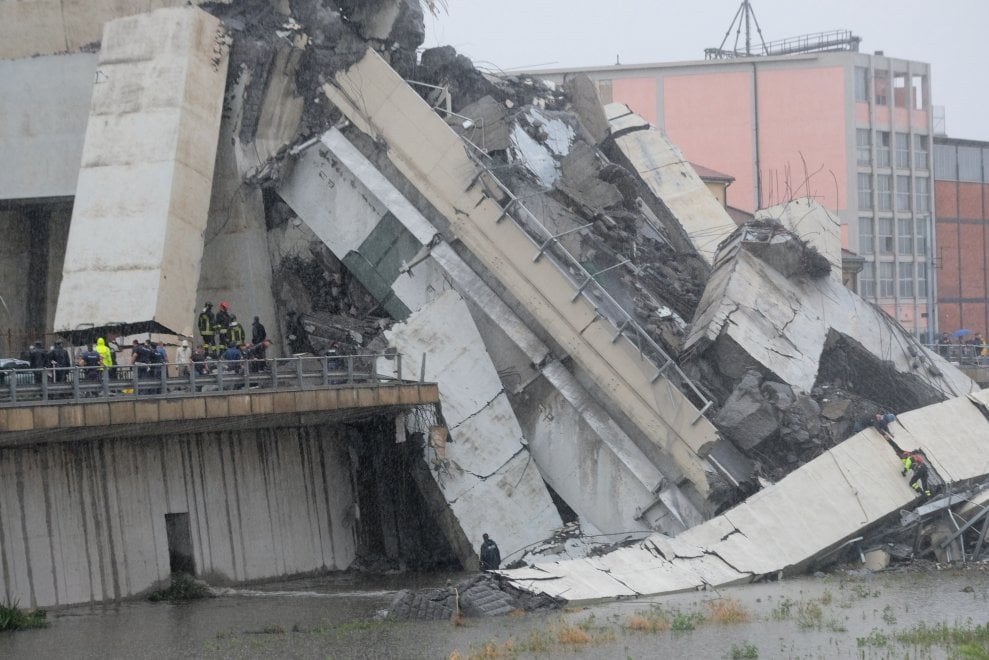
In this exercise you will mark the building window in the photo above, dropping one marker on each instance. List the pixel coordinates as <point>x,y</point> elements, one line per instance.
<point>920,151</point>
<point>867,236</point>
<point>887,281</point>
<point>863,144</point>
<point>970,164</point>
<point>902,151</point>
<point>900,90</point>
<point>906,279</point>
<point>923,195</point>
<point>865,192</point>
<point>922,223</point>
<point>904,235</point>
<point>884,192</point>
<point>921,280</point>
<point>881,80</point>
<point>605,92</point>
<point>902,192</point>
<point>861,84</point>
<point>945,162</point>
<point>882,148</point>
<point>867,281</point>
<point>917,92</point>
<point>886,235</point>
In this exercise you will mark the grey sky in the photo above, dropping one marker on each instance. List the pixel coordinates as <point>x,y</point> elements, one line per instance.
<point>511,34</point>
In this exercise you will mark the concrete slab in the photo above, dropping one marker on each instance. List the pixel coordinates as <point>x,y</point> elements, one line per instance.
<point>783,527</point>
<point>672,179</point>
<point>147,159</point>
<point>783,323</point>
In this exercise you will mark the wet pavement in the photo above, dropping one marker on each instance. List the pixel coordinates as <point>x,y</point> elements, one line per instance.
<point>845,614</point>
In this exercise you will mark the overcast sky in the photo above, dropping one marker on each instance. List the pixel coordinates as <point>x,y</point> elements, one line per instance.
<point>950,35</point>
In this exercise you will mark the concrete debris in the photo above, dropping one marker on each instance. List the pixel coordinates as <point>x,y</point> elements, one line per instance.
<point>607,343</point>
<point>478,596</point>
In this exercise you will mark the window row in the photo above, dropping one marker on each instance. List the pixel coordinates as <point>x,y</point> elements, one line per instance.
<point>908,90</point>
<point>907,189</point>
<point>954,162</point>
<point>906,279</point>
<point>863,143</point>
<point>902,236</point>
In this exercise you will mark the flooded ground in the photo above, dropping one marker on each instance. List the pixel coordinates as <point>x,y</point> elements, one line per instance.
<point>854,614</point>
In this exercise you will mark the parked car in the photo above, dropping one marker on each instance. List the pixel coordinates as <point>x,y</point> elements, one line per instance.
<point>8,365</point>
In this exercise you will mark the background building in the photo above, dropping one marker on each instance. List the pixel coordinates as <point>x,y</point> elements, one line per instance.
<point>961,193</point>
<point>851,130</point>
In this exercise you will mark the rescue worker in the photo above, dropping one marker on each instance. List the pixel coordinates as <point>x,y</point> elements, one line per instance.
<point>38,360</point>
<point>490,555</point>
<point>206,323</point>
<point>915,461</point>
<point>106,358</point>
<point>183,356</point>
<point>882,422</point>
<point>91,360</point>
<point>220,327</point>
<point>235,332</point>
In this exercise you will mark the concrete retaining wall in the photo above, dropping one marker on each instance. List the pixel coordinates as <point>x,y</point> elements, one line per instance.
<point>85,521</point>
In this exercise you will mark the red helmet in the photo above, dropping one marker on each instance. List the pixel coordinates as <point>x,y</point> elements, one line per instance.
<point>224,306</point>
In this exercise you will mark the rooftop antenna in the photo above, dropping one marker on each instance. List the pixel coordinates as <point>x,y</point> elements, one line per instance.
<point>808,43</point>
<point>744,16</point>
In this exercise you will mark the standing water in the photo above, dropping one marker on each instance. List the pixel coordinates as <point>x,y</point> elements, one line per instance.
<point>908,613</point>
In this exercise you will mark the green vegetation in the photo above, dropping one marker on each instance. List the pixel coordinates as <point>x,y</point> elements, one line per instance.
<point>183,587</point>
<point>744,651</point>
<point>810,616</point>
<point>14,618</point>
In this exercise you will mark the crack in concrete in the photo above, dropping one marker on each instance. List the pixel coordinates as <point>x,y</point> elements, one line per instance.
<point>478,411</point>
<point>482,478</point>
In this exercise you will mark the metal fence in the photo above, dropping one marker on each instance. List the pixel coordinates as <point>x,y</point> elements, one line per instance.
<point>82,383</point>
<point>973,355</point>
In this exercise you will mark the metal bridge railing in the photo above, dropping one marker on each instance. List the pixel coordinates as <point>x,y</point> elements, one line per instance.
<point>548,244</point>
<point>82,384</point>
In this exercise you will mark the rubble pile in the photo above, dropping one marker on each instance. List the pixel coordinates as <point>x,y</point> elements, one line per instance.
<point>480,595</point>
<point>552,148</point>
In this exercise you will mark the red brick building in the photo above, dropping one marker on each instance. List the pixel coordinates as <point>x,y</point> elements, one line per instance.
<point>961,211</point>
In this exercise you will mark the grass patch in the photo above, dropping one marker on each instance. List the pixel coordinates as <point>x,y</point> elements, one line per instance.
<point>875,639</point>
<point>652,621</point>
<point>686,621</point>
<point>809,616</point>
<point>727,611</point>
<point>941,634</point>
<point>183,587</point>
<point>13,618</point>
<point>783,611</point>
<point>744,651</point>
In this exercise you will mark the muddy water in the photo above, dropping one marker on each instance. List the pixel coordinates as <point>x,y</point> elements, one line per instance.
<point>810,617</point>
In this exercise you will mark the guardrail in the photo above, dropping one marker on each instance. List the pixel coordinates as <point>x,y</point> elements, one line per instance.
<point>972,355</point>
<point>547,244</point>
<point>74,384</point>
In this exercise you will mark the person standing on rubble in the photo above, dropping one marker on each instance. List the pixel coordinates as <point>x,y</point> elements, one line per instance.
<point>882,421</point>
<point>206,323</point>
<point>490,555</point>
<point>917,462</point>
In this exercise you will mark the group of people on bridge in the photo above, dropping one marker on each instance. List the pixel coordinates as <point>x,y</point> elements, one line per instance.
<point>224,338</point>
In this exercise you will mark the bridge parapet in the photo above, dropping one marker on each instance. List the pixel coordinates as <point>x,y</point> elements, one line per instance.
<point>311,389</point>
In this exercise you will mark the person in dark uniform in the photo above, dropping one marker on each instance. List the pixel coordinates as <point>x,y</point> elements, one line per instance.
<point>60,360</point>
<point>258,333</point>
<point>221,327</point>
<point>38,359</point>
<point>490,555</point>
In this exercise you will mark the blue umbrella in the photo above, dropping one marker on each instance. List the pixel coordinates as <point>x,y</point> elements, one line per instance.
<point>961,333</point>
